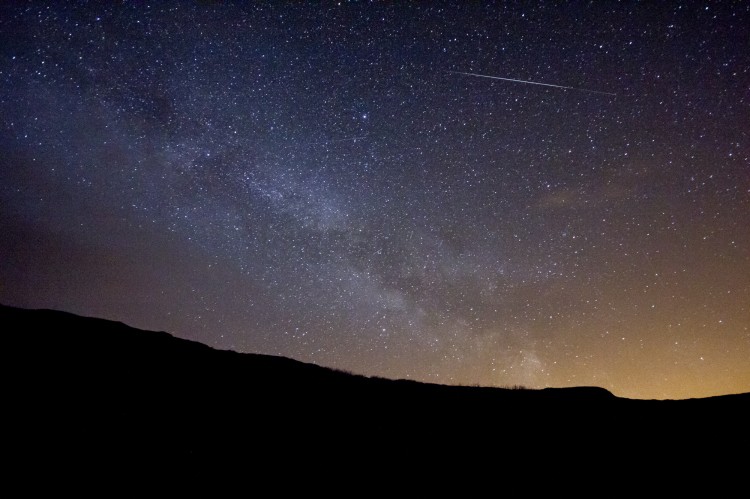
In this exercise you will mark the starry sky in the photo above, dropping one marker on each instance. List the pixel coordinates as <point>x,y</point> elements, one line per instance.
<point>320,181</point>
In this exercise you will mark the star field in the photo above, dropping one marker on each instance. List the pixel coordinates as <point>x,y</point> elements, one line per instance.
<point>320,181</point>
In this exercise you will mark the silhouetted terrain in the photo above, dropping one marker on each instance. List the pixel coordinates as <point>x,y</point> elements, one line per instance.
<point>113,390</point>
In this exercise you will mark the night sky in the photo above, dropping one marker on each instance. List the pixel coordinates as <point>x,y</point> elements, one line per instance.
<point>321,181</point>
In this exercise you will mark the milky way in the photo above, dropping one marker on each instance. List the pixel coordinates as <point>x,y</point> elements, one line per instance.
<point>314,181</point>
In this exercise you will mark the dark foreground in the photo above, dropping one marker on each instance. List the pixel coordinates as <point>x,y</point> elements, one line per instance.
<point>103,390</point>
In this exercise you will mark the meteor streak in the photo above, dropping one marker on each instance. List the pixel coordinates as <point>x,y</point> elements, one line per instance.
<point>533,83</point>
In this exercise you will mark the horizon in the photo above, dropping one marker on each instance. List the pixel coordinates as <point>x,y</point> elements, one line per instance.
<point>343,371</point>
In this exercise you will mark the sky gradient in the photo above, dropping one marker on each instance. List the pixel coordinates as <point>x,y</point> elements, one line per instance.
<point>321,181</point>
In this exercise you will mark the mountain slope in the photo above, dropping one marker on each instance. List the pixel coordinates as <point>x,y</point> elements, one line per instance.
<point>75,381</point>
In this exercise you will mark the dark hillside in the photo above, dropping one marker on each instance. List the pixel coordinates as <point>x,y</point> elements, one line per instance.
<point>110,388</point>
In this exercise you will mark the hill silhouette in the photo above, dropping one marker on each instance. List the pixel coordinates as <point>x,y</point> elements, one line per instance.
<point>115,390</point>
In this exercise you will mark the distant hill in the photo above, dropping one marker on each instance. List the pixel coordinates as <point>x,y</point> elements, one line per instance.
<point>111,388</point>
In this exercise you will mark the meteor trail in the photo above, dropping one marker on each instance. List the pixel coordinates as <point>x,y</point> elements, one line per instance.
<point>533,83</point>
